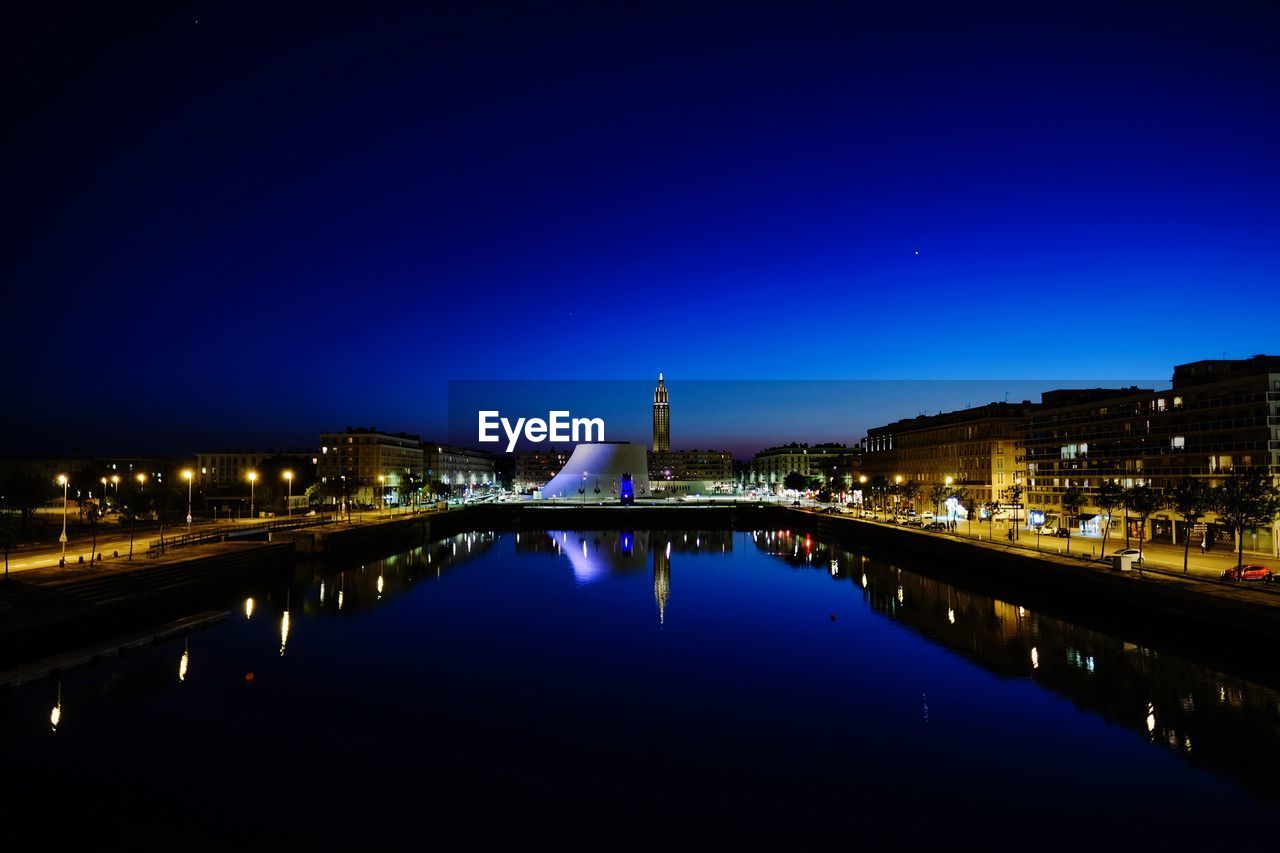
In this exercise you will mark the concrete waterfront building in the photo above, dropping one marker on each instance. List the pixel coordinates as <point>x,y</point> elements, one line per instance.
<point>687,472</point>
<point>661,418</point>
<point>595,472</point>
<point>1217,416</point>
<point>362,456</point>
<point>770,467</point>
<point>978,449</point>
<point>459,467</point>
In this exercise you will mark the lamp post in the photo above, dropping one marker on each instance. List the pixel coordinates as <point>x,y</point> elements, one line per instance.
<point>253,478</point>
<point>63,481</point>
<point>288,478</point>
<point>189,476</point>
<point>382,491</point>
<point>115,483</point>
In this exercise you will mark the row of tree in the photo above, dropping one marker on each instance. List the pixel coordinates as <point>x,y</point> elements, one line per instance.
<point>1245,499</point>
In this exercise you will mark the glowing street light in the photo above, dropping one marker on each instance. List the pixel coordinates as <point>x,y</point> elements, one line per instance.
<point>63,481</point>
<point>382,490</point>
<point>189,476</point>
<point>288,476</point>
<point>115,483</point>
<point>253,478</point>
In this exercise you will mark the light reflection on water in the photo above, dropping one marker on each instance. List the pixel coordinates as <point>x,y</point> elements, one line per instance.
<point>364,622</point>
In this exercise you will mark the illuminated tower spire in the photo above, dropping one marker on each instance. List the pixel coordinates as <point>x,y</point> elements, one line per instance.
<point>661,417</point>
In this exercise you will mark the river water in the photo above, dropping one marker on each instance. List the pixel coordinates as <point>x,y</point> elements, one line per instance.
<point>622,689</point>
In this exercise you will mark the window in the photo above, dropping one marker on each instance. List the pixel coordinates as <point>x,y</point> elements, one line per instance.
<point>1178,442</point>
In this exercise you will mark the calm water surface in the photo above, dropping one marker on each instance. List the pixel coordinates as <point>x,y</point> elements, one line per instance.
<point>687,689</point>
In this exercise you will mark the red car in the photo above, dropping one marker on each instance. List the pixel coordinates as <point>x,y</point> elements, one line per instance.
<point>1249,573</point>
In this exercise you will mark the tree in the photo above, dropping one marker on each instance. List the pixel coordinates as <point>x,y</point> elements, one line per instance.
<point>92,512</point>
<point>1013,496</point>
<point>1191,499</point>
<point>1072,498</point>
<point>937,495</point>
<point>992,507</point>
<point>1142,501</point>
<point>169,499</point>
<point>1246,499</point>
<point>23,491</point>
<point>910,492</point>
<point>1108,498</point>
<point>878,486</point>
<point>271,491</point>
<point>795,481</point>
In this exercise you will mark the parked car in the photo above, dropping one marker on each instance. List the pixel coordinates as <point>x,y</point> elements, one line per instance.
<point>1061,532</point>
<point>1132,553</point>
<point>1259,574</point>
<point>935,525</point>
<point>913,522</point>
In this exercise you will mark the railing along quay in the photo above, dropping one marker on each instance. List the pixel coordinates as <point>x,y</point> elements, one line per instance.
<point>238,531</point>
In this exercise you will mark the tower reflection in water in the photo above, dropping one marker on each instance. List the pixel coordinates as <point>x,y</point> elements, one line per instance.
<point>596,554</point>
<point>1210,718</point>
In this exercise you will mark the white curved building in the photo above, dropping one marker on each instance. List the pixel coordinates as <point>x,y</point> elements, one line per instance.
<point>600,466</point>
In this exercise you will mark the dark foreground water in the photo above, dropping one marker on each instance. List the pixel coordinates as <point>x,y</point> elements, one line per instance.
<point>684,689</point>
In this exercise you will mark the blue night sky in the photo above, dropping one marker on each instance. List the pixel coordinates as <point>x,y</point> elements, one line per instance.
<point>230,226</point>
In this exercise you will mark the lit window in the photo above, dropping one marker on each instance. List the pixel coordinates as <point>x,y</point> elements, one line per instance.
<point>1178,441</point>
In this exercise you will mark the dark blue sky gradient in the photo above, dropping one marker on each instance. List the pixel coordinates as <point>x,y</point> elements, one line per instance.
<point>244,230</point>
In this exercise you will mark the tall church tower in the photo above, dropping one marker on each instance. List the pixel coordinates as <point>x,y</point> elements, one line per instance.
<point>661,418</point>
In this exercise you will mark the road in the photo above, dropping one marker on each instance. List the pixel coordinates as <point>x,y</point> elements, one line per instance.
<point>111,540</point>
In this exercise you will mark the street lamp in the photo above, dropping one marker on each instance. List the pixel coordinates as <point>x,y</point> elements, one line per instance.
<point>63,481</point>
<point>382,491</point>
<point>253,478</point>
<point>189,476</point>
<point>288,477</point>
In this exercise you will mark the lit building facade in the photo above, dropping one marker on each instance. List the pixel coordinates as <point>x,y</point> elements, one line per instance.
<point>459,467</point>
<point>674,472</point>
<point>535,468</point>
<point>1217,416</point>
<point>770,467</point>
<point>376,465</point>
<point>227,469</point>
<point>978,449</point>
